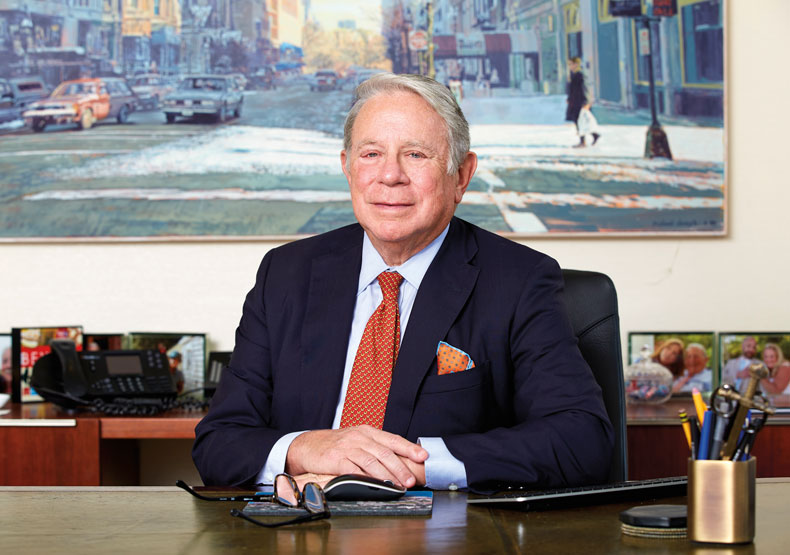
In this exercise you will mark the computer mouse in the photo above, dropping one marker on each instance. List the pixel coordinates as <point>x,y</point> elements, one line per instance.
<point>355,487</point>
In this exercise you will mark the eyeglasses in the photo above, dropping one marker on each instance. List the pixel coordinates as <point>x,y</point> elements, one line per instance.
<point>286,493</point>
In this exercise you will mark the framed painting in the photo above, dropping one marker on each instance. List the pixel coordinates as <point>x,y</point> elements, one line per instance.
<point>206,119</point>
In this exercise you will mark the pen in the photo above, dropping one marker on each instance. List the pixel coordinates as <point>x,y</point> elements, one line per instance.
<point>718,437</point>
<point>694,435</point>
<point>745,445</point>
<point>699,405</point>
<point>705,436</point>
<point>684,421</point>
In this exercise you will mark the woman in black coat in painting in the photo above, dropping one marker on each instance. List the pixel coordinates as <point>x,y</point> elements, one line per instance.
<point>578,98</point>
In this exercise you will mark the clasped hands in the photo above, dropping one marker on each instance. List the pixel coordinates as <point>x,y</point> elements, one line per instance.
<point>320,455</point>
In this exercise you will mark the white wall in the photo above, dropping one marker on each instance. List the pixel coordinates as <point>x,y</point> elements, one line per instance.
<point>675,284</point>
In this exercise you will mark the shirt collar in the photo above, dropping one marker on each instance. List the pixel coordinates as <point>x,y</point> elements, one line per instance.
<point>413,270</point>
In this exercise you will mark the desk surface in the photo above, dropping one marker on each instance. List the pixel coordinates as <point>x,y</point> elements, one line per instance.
<point>167,520</point>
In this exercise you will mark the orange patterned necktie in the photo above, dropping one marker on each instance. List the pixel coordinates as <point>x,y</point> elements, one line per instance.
<point>371,374</point>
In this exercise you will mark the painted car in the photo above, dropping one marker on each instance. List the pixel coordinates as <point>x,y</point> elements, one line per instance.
<point>151,89</point>
<point>207,95</point>
<point>16,93</point>
<point>324,80</point>
<point>8,112</point>
<point>84,102</point>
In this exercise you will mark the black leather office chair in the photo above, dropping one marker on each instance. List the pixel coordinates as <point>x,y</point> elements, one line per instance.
<point>591,299</point>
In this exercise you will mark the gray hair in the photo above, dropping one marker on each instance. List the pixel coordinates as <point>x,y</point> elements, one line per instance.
<point>434,93</point>
<point>698,346</point>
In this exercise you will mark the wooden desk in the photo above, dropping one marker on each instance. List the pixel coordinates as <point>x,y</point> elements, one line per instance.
<point>167,520</point>
<point>655,438</point>
<point>93,450</point>
<point>45,445</point>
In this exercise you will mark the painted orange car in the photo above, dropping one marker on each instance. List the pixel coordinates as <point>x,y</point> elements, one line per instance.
<point>84,102</point>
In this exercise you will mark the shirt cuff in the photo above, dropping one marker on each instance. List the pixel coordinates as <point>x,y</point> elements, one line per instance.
<point>275,462</point>
<point>442,470</point>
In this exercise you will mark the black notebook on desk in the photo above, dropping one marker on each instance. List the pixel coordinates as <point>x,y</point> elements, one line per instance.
<point>563,498</point>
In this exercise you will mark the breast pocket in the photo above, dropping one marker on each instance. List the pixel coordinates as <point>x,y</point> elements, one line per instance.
<point>452,403</point>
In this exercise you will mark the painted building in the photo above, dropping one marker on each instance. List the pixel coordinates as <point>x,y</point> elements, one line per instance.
<point>529,42</point>
<point>49,36</point>
<point>687,51</point>
<point>150,30</point>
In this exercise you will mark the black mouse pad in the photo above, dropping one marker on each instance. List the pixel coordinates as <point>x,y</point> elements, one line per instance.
<point>413,503</point>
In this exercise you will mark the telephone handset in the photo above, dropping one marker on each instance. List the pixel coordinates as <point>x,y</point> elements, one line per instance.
<point>70,379</point>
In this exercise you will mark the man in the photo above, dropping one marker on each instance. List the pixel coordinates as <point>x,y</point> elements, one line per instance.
<point>734,366</point>
<point>508,397</point>
<point>5,371</point>
<point>696,373</point>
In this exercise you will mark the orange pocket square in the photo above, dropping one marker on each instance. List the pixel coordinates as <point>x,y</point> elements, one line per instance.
<point>450,359</point>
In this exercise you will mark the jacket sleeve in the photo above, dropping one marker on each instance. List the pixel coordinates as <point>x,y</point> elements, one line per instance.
<point>559,433</point>
<point>233,440</point>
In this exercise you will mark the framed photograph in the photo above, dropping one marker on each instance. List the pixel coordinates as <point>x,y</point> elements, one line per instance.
<point>27,346</point>
<point>648,157</point>
<point>739,350</point>
<point>217,361</point>
<point>6,374</point>
<point>689,356</point>
<point>102,341</point>
<point>186,353</point>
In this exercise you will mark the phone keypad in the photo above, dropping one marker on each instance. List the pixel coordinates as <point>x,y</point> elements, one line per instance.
<point>160,382</point>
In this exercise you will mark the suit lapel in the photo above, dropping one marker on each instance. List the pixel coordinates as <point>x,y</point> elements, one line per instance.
<point>443,293</point>
<point>327,324</point>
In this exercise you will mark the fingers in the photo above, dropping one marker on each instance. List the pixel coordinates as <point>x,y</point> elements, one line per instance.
<point>320,479</point>
<point>417,470</point>
<point>361,450</point>
<point>397,444</point>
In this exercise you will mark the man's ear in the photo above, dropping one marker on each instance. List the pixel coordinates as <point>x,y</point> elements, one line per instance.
<point>343,160</point>
<point>465,173</point>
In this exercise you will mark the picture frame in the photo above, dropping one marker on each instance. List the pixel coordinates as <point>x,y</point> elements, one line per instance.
<point>691,357</point>
<point>6,369</point>
<point>277,169</point>
<point>186,353</point>
<point>217,362</point>
<point>28,344</point>
<point>103,341</point>
<point>741,349</point>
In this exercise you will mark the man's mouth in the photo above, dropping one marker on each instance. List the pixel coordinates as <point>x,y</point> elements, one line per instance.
<point>391,205</point>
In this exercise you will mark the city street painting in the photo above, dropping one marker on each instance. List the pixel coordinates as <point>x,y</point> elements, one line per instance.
<point>271,169</point>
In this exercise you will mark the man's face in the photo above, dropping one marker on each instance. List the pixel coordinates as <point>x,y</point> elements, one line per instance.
<point>6,361</point>
<point>695,360</point>
<point>749,347</point>
<point>397,174</point>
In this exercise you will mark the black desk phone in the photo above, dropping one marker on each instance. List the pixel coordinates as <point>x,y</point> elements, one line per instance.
<point>70,379</point>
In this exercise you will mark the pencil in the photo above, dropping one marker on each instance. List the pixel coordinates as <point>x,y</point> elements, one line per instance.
<point>684,421</point>
<point>699,405</point>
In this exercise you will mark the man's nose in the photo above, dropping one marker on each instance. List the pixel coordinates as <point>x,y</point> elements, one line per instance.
<point>392,172</point>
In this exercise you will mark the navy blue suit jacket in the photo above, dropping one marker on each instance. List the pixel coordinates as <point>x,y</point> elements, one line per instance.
<point>530,411</point>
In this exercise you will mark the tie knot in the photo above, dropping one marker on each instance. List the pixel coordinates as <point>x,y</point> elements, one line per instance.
<point>390,282</point>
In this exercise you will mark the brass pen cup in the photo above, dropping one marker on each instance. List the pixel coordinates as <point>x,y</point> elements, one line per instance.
<point>721,501</point>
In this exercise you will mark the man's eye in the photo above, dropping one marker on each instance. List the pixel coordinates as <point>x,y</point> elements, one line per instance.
<point>370,155</point>
<point>416,155</point>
